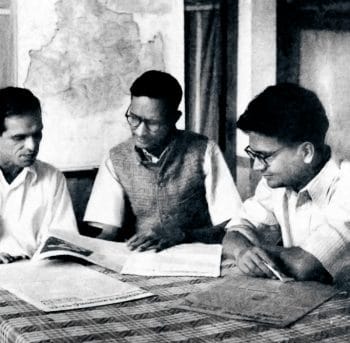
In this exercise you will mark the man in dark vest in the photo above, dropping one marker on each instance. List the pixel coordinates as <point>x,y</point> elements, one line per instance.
<point>163,186</point>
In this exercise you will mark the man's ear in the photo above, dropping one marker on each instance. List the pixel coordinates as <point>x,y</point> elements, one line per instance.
<point>307,149</point>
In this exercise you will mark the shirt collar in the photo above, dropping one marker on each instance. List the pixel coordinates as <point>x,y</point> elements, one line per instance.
<point>33,171</point>
<point>145,157</point>
<point>317,188</point>
<point>21,177</point>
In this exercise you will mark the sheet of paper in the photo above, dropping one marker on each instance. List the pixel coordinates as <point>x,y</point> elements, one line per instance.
<point>53,285</point>
<point>262,300</point>
<point>195,259</point>
<point>111,255</point>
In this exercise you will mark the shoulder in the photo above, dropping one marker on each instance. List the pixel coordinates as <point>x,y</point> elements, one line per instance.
<point>48,176</point>
<point>191,141</point>
<point>345,169</point>
<point>46,170</point>
<point>192,136</point>
<point>125,146</point>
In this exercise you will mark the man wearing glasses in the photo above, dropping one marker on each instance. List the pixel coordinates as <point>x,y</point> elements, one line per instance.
<point>163,186</point>
<point>302,197</point>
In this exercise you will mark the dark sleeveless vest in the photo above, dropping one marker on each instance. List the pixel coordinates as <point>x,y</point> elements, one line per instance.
<point>170,193</point>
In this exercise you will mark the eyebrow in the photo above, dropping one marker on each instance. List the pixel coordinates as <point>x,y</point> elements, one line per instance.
<point>262,151</point>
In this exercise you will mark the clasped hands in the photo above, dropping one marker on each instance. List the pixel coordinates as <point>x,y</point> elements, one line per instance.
<point>158,239</point>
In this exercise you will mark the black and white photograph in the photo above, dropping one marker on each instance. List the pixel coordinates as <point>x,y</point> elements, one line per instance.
<point>174,171</point>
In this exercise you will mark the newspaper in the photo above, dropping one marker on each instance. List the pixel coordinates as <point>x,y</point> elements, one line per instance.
<point>257,299</point>
<point>107,254</point>
<point>195,259</point>
<point>54,285</point>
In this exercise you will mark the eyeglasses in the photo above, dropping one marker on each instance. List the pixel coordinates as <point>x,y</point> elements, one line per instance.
<point>265,159</point>
<point>134,121</point>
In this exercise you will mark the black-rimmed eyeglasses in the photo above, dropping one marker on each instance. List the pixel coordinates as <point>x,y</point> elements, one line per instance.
<point>264,158</point>
<point>134,121</point>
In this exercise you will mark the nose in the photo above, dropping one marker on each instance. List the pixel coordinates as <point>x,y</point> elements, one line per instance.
<point>258,165</point>
<point>30,143</point>
<point>141,129</point>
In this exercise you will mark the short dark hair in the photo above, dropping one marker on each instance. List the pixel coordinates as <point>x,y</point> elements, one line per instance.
<point>17,101</point>
<point>288,112</point>
<point>158,85</point>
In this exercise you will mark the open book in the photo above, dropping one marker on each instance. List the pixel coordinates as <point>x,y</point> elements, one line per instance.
<point>195,259</point>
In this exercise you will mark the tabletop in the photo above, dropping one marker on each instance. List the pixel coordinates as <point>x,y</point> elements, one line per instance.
<point>156,319</point>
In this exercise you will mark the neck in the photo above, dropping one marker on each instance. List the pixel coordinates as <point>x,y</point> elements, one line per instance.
<point>10,173</point>
<point>321,158</point>
<point>158,150</point>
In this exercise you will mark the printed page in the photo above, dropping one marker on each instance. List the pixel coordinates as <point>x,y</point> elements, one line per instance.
<point>111,255</point>
<point>195,259</point>
<point>55,285</point>
<point>262,300</point>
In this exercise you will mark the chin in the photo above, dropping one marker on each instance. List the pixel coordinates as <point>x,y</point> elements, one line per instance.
<point>274,183</point>
<point>26,163</point>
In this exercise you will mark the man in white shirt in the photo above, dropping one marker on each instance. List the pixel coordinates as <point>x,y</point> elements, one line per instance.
<point>302,199</point>
<point>164,186</point>
<point>33,195</point>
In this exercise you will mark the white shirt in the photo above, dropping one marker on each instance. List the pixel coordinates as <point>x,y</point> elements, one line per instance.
<point>317,218</point>
<point>106,203</point>
<point>36,201</point>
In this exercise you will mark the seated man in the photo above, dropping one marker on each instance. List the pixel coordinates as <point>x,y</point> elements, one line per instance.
<point>303,191</point>
<point>33,194</point>
<point>168,186</point>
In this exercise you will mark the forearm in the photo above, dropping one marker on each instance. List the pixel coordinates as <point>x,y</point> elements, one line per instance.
<point>234,243</point>
<point>209,235</point>
<point>102,231</point>
<point>298,263</point>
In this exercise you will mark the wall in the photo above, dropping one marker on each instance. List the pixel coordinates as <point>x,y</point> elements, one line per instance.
<point>80,58</point>
<point>256,71</point>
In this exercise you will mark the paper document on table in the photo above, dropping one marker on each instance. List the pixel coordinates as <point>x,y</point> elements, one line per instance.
<point>56,285</point>
<point>111,255</point>
<point>194,259</point>
<point>262,300</point>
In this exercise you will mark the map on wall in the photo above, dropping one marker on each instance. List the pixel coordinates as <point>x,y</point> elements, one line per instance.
<point>80,57</point>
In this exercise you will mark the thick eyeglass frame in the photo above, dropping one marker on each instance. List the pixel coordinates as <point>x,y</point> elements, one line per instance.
<point>265,159</point>
<point>134,121</point>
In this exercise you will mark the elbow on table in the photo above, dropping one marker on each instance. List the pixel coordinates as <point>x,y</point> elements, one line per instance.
<point>310,269</point>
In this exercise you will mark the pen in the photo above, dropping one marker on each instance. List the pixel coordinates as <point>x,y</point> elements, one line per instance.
<point>277,273</point>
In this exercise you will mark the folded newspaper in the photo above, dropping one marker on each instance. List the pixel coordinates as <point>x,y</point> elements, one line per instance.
<point>195,259</point>
<point>53,285</point>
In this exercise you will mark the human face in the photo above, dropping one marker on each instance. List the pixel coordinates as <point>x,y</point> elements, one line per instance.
<point>155,123</point>
<point>19,143</point>
<point>284,164</point>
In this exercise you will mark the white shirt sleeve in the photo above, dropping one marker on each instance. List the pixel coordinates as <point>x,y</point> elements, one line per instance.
<point>63,217</point>
<point>106,206</point>
<point>224,201</point>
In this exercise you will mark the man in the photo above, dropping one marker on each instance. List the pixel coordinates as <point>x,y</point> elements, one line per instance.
<point>168,186</point>
<point>33,195</point>
<point>303,191</point>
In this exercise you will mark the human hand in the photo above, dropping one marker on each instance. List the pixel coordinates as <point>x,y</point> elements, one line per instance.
<point>158,239</point>
<point>254,260</point>
<point>7,258</point>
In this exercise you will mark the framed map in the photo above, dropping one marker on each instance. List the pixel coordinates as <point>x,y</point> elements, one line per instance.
<point>80,58</point>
